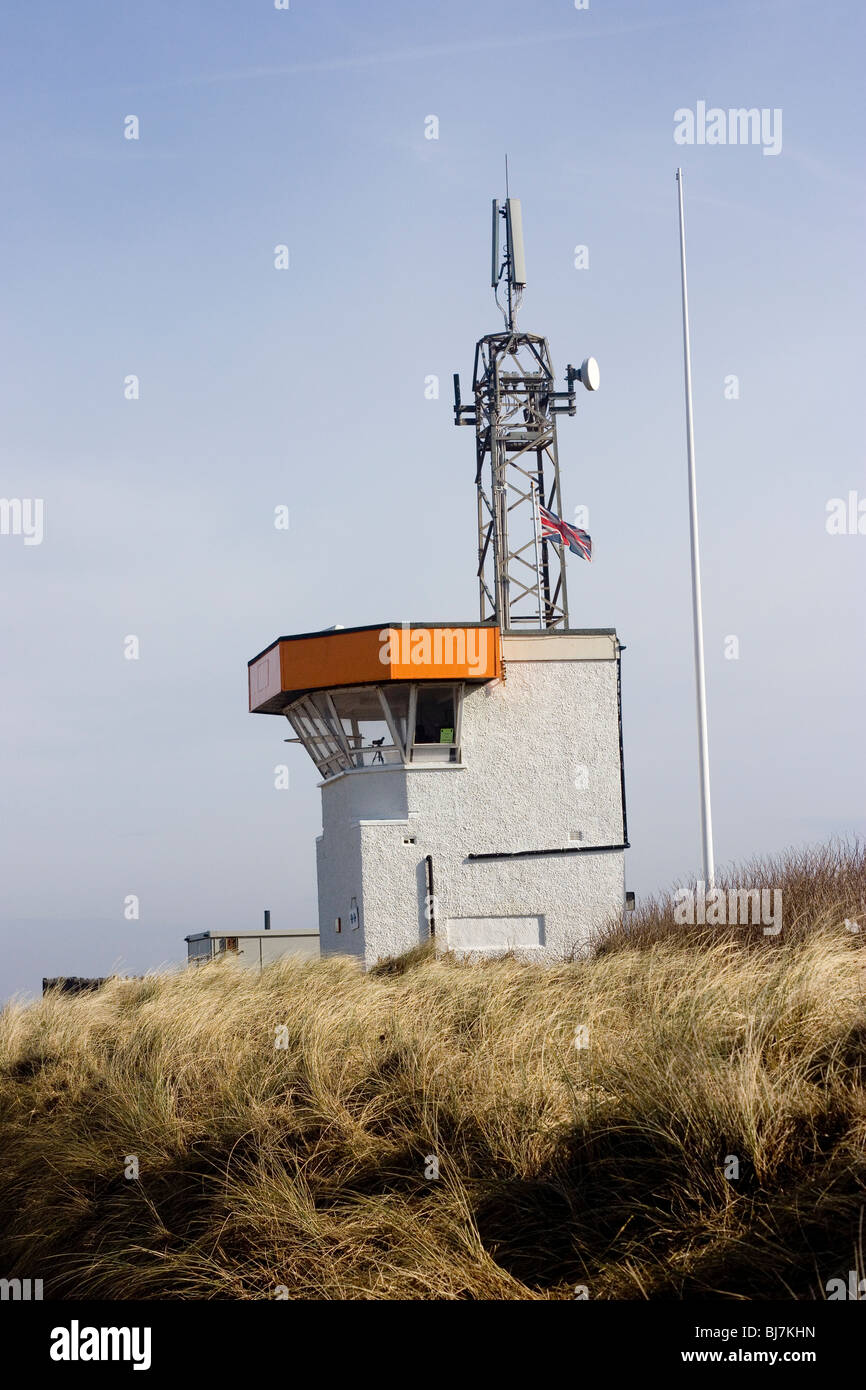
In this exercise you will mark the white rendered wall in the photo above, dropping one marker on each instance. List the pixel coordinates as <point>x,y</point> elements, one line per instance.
<point>274,948</point>
<point>541,765</point>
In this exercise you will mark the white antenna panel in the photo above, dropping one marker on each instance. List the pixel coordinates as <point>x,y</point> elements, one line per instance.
<point>516,256</point>
<point>494,254</point>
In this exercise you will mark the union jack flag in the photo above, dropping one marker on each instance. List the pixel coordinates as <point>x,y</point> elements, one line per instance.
<point>553,528</point>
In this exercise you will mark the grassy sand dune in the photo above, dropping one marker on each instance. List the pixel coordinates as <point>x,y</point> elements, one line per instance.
<point>310,1165</point>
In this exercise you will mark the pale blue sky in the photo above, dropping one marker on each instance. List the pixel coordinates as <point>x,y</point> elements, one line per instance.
<point>306,387</point>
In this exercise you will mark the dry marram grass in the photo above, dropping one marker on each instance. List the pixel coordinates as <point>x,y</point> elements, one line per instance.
<point>559,1165</point>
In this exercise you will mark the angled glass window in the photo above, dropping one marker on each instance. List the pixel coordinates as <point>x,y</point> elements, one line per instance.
<point>374,726</point>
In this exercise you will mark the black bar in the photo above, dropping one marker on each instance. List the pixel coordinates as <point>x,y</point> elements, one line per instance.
<point>428,860</point>
<point>619,651</point>
<point>539,853</point>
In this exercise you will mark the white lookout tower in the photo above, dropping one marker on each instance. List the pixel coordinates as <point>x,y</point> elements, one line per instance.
<point>472,772</point>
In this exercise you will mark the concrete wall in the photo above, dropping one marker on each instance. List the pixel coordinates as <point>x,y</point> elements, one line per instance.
<point>540,771</point>
<point>273,947</point>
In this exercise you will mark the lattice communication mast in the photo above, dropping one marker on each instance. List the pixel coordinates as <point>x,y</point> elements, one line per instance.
<point>521,575</point>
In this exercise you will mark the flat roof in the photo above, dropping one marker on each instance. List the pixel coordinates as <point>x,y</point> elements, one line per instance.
<point>232,931</point>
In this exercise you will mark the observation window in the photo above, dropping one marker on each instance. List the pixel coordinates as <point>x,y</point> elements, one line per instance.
<point>376,726</point>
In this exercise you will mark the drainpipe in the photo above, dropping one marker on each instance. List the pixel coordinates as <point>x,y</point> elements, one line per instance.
<point>428,860</point>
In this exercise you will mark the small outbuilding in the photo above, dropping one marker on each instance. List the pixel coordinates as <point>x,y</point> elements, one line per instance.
<point>253,949</point>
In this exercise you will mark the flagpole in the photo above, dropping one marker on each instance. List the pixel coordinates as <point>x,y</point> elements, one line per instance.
<point>697,615</point>
<point>536,517</point>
